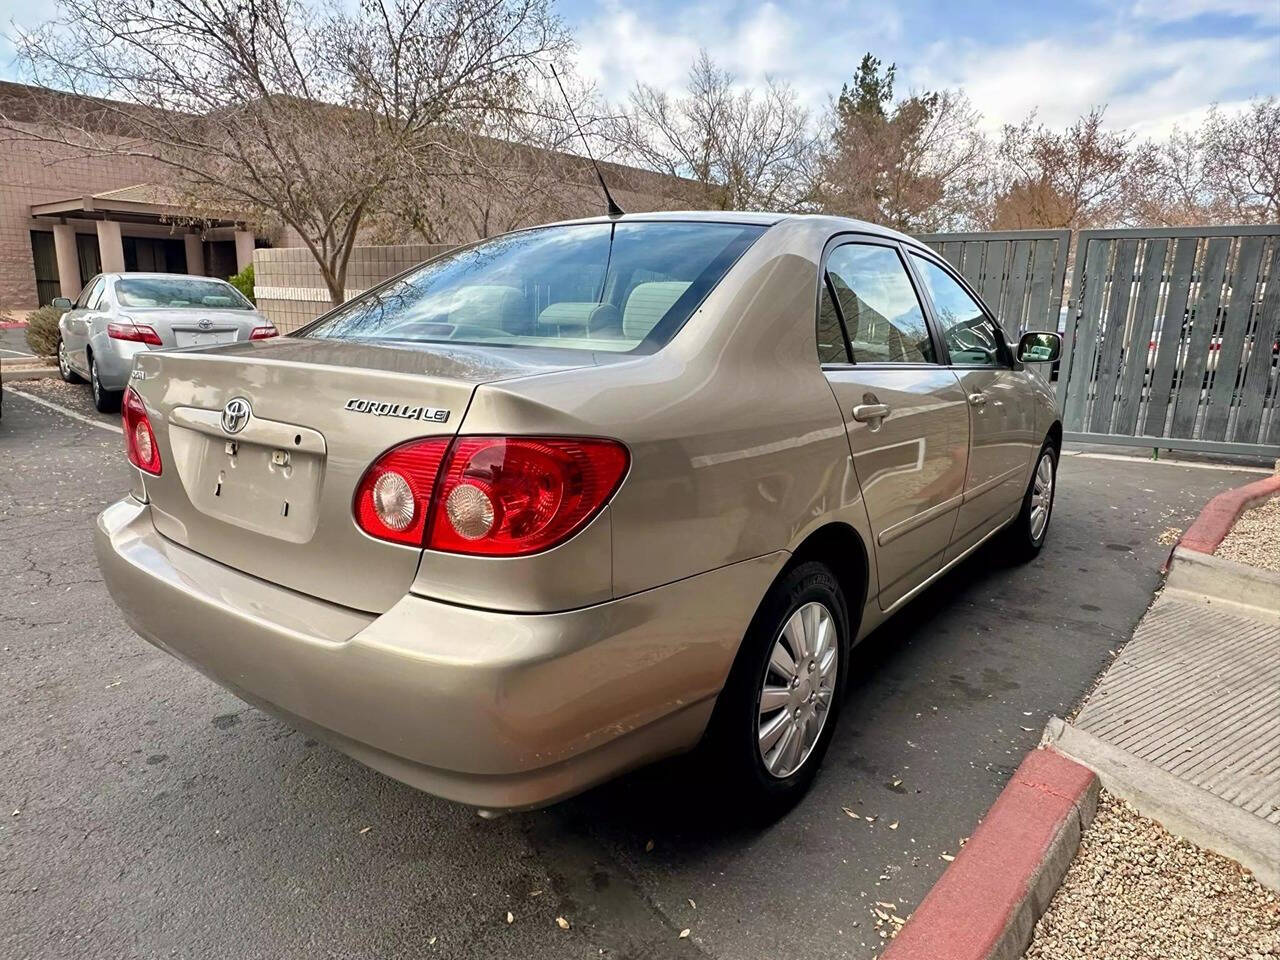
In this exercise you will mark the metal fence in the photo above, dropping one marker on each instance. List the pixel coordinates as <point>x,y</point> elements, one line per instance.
<point>1019,273</point>
<point>1172,339</point>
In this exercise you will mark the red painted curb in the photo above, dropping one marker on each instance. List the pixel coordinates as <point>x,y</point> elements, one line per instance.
<point>12,324</point>
<point>969,914</point>
<point>1220,514</point>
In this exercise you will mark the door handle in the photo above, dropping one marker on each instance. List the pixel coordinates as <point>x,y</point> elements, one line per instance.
<point>869,412</point>
<point>978,399</point>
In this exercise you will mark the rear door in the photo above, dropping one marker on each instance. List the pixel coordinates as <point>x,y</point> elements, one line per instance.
<point>1002,421</point>
<point>905,413</point>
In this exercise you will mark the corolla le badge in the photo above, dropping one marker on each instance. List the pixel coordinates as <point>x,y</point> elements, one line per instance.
<point>405,411</point>
<point>235,414</point>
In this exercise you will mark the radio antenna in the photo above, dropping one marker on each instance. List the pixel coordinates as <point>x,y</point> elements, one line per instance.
<point>610,204</point>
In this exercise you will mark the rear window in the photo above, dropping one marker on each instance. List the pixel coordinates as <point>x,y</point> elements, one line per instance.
<point>596,286</point>
<point>178,292</point>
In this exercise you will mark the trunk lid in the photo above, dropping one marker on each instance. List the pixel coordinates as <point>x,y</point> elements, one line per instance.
<point>273,498</point>
<point>199,327</point>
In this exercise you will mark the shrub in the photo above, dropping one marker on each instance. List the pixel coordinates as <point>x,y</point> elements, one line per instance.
<point>42,331</point>
<point>243,281</point>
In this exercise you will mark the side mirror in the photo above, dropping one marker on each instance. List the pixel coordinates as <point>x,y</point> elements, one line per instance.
<point>61,303</point>
<point>1039,347</point>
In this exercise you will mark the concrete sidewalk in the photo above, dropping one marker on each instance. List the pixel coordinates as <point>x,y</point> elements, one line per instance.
<point>1186,726</point>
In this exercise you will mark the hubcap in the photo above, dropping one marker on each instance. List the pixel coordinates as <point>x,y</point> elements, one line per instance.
<point>63,365</point>
<point>1041,495</point>
<point>799,685</point>
<point>93,375</point>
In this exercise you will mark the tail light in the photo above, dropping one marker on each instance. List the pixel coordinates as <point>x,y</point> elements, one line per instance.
<point>139,438</point>
<point>489,496</point>
<point>135,332</point>
<point>264,333</point>
<point>394,495</point>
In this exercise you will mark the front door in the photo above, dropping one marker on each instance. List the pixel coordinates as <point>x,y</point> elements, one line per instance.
<point>1001,414</point>
<point>905,414</point>
<point>75,325</point>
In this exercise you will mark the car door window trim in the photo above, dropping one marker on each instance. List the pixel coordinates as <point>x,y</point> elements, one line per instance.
<point>936,324</point>
<point>839,240</point>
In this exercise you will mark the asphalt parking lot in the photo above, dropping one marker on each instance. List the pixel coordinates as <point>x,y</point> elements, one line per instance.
<point>148,813</point>
<point>13,343</point>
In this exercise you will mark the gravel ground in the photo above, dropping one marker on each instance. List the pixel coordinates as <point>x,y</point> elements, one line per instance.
<point>1255,539</point>
<point>1137,892</point>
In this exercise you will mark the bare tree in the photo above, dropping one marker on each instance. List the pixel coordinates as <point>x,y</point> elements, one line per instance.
<point>310,116</point>
<point>1242,161</point>
<point>1167,183</point>
<point>1075,178</point>
<point>739,149</point>
<point>514,169</point>
<point>1227,170</point>
<point>918,164</point>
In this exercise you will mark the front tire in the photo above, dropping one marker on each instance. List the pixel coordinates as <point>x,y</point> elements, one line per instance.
<point>778,711</point>
<point>64,365</point>
<point>104,400</point>
<point>1027,534</point>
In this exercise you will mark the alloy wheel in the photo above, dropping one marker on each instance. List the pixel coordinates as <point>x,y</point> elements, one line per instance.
<point>798,688</point>
<point>64,365</point>
<point>1041,495</point>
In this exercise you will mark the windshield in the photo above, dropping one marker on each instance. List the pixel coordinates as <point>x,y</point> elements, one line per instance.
<point>595,286</point>
<point>178,292</point>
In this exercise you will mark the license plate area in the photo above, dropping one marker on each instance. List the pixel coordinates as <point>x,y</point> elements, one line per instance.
<point>267,488</point>
<point>201,338</point>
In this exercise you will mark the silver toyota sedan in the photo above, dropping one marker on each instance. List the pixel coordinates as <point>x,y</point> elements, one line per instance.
<point>565,501</point>
<point>119,315</point>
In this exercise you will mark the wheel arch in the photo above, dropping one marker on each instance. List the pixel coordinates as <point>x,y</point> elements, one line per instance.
<point>840,548</point>
<point>1055,436</point>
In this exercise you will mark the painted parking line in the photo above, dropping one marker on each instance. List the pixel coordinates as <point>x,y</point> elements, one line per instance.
<point>16,353</point>
<point>65,411</point>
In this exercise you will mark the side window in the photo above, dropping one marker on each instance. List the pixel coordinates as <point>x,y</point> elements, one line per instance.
<point>971,338</point>
<point>88,293</point>
<point>881,312</point>
<point>830,337</point>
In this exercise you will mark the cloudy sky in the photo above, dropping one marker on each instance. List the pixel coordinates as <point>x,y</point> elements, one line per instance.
<point>1154,63</point>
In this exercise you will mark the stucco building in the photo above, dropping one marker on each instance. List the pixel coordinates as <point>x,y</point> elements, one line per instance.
<point>65,215</point>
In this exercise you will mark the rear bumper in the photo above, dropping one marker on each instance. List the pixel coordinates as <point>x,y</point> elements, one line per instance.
<point>498,710</point>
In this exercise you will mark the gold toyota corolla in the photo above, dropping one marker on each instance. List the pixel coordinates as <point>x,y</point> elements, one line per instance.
<point>578,497</point>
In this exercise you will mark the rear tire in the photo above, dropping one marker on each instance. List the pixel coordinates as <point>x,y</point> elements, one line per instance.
<point>64,365</point>
<point>1026,535</point>
<point>768,736</point>
<point>104,401</point>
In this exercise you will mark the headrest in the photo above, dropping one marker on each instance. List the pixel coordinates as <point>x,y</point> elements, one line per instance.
<point>489,305</point>
<point>579,318</point>
<point>649,303</point>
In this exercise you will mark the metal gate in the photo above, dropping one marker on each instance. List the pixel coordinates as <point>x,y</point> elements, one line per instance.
<point>1019,273</point>
<point>1174,338</point>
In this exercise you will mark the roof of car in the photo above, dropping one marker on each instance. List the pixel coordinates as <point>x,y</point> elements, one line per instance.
<point>139,275</point>
<point>760,217</point>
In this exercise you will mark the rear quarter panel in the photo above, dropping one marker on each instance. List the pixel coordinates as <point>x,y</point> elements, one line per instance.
<point>738,448</point>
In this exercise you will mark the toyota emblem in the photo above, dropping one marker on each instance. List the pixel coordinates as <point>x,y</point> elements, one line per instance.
<point>236,414</point>
<point>205,324</point>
